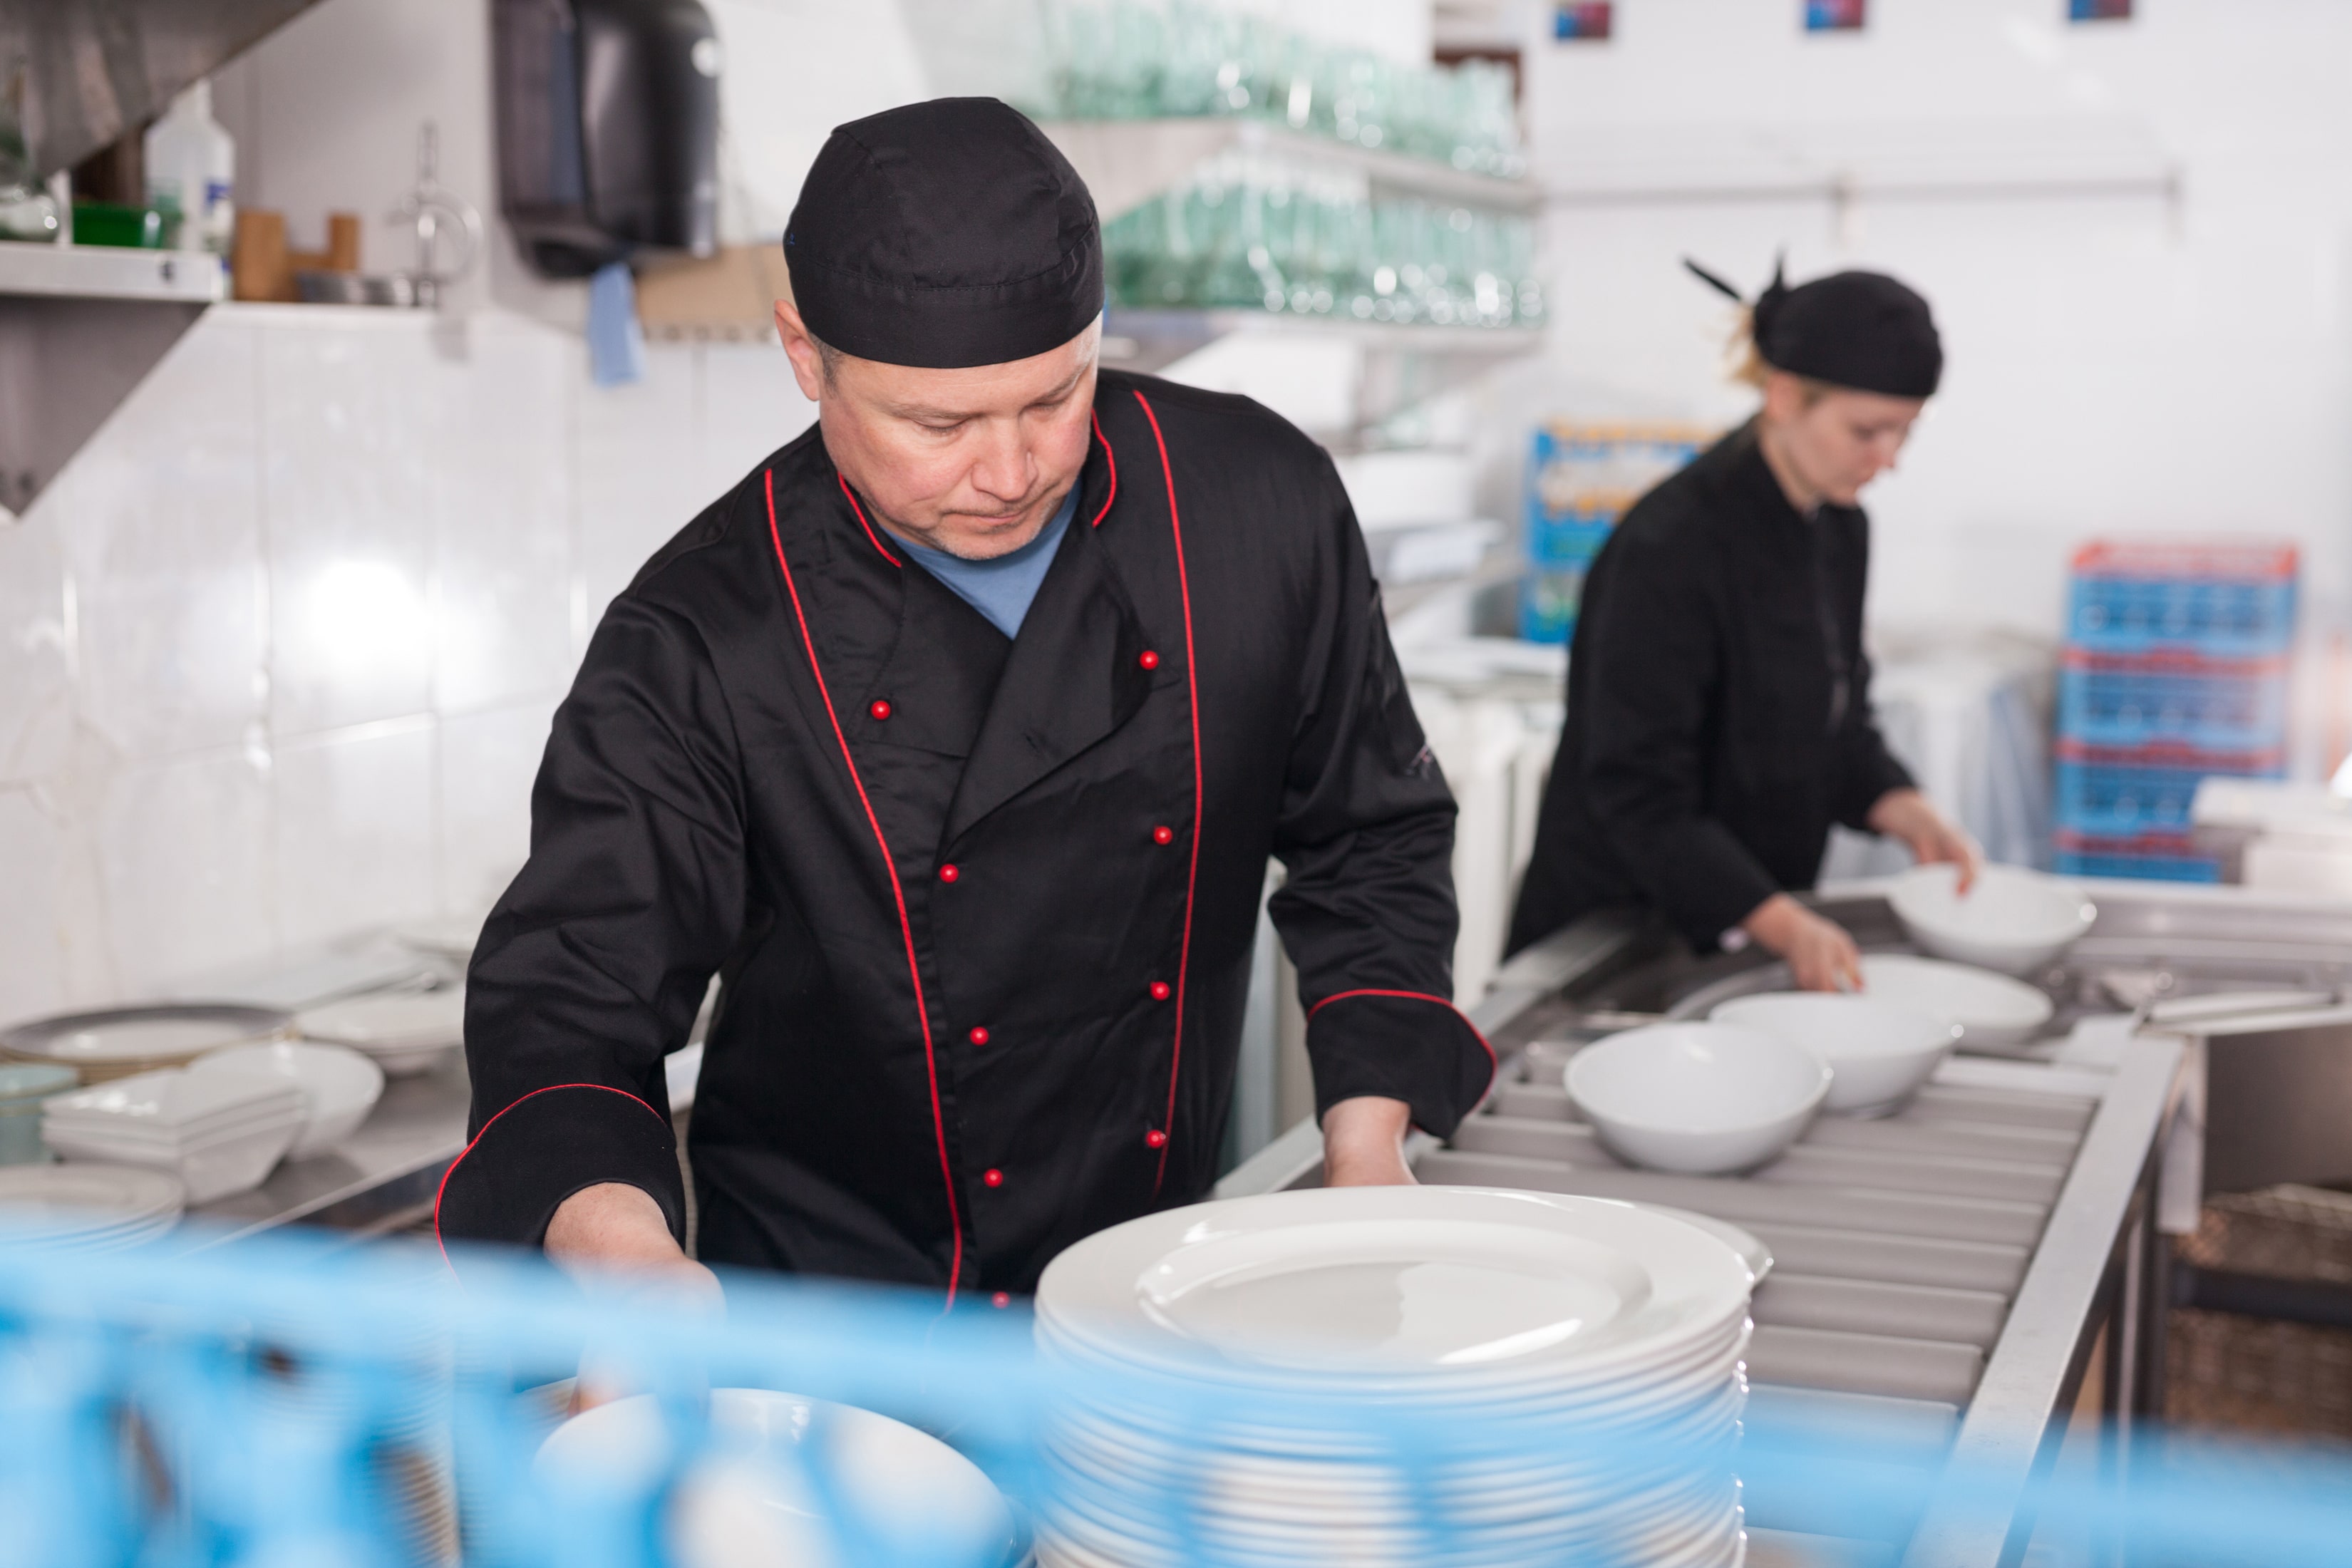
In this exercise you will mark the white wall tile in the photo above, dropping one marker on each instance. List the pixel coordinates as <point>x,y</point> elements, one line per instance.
<point>355,830</point>
<point>35,640</point>
<point>641,478</point>
<point>162,538</point>
<point>751,406</point>
<point>33,929</point>
<point>500,392</point>
<point>184,858</point>
<point>488,761</point>
<point>348,498</point>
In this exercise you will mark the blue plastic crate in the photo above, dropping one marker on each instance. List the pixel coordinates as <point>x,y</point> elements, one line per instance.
<point>2107,796</point>
<point>2225,601</point>
<point>2210,706</point>
<point>2100,862</point>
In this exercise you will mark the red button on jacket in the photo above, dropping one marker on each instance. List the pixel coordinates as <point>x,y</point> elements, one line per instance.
<point>1160,990</point>
<point>1163,835</point>
<point>1148,659</point>
<point>993,1176</point>
<point>949,873</point>
<point>881,707</point>
<point>978,1036</point>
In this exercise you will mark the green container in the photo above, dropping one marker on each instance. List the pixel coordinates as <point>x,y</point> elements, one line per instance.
<point>104,223</point>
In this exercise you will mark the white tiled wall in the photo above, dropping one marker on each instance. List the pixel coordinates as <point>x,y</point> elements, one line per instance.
<point>280,648</point>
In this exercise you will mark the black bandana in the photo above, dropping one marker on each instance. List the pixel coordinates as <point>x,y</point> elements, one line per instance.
<point>944,234</point>
<point>1859,330</point>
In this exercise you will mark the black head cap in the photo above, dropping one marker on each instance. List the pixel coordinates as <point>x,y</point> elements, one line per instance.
<point>1860,329</point>
<point>944,234</point>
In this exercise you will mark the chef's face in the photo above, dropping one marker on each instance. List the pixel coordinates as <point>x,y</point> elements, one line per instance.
<point>970,461</point>
<point>1837,439</point>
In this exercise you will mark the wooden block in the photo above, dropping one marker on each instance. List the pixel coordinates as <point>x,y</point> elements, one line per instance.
<point>731,295</point>
<point>260,267</point>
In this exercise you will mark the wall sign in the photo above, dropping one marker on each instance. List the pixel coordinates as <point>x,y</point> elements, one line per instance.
<point>1835,15</point>
<point>2098,10</point>
<point>1588,23</point>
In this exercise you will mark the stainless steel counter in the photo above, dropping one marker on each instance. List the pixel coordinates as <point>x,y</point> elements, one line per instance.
<point>383,1179</point>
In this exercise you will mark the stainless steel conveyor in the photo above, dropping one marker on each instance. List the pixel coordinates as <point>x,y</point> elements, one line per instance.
<point>1942,1275</point>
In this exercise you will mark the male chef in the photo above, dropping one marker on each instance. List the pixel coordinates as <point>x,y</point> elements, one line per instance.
<point>955,738</point>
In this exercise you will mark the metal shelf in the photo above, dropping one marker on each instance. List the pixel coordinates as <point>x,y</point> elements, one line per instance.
<point>33,269</point>
<point>1147,340</point>
<point>1127,161</point>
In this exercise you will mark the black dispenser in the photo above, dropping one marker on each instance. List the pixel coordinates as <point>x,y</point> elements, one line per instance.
<point>608,128</point>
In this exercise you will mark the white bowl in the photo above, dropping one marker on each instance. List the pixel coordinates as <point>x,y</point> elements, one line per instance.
<point>2011,919</point>
<point>406,1032</point>
<point>1994,1012</point>
<point>756,1503</point>
<point>214,1168</point>
<point>1877,1052</point>
<point>1702,1098</point>
<point>339,1084</point>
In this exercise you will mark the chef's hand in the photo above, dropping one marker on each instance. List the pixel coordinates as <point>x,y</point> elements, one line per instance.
<point>612,1237</point>
<point>1934,840</point>
<point>1817,951</point>
<point>1363,1142</point>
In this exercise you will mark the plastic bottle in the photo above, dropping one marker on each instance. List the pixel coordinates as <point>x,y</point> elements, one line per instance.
<point>191,175</point>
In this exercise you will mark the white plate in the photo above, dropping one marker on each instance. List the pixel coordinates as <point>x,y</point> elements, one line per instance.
<point>755,1505</point>
<point>405,1031</point>
<point>1752,1250</point>
<point>105,1042</point>
<point>1699,1099</point>
<point>2011,919</point>
<point>1993,1010</point>
<point>339,1085</point>
<point>215,1170</point>
<point>1452,1283</point>
<point>1877,1052</point>
<point>88,1199</point>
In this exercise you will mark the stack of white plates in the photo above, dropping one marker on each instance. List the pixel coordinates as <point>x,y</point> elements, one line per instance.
<point>1424,1376</point>
<point>219,1132</point>
<point>406,1031</point>
<point>339,1085</point>
<point>92,1208</point>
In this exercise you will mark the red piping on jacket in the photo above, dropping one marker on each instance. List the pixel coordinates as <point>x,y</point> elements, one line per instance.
<point>871,537</point>
<point>493,1121</point>
<point>906,927</point>
<point>1419,996</point>
<point>1111,458</point>
<point>1192,871</point>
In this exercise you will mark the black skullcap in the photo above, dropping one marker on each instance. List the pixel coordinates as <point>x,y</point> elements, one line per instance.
<point>1860,329</point>
<point>944,234</point>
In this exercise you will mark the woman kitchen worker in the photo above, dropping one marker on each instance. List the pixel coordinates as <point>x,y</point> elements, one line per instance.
<point>1718,697</point>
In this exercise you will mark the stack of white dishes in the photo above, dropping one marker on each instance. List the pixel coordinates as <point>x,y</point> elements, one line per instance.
<point>2011,918</point>
<point>219,1132</point>
<point>1994,1013</point>
<point>901,1495</point>
<point>1395,1375</point>
<point>1878,1053</point>
<point>120,1041</point>
<point>1699,1099</point>
<point>90,1209</point>
<point>405,1031</point>
<point>338,1085</point>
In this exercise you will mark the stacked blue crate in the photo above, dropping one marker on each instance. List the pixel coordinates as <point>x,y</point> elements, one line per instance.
<point>2176,668</point>
<point>1581,480</point>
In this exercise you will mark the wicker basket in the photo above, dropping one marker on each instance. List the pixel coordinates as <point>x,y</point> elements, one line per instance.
<point>2223,1370</point>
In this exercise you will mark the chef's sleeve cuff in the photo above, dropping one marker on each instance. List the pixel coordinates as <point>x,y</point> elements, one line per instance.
<point>548,1145</point>
<point>1399,1045</point>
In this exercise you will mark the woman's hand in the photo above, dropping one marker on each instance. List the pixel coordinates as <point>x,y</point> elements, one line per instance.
<point>1818,950</point>
<point>1363,1142</point>
<point>1933,838</point>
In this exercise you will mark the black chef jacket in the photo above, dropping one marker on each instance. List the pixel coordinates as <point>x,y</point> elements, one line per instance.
<point>983,906</point>
<point>1718,707</point>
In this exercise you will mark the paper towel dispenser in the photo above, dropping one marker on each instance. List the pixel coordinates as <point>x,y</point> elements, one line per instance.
<point>608,128</point>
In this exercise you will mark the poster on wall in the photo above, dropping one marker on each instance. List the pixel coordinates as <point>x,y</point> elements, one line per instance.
<point>2098,10</point>
<point>1836,16</point>
<point>1589,23</point>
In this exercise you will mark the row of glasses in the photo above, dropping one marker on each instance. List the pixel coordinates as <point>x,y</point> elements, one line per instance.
<point>1142,60</point>
<point>1249,230</point>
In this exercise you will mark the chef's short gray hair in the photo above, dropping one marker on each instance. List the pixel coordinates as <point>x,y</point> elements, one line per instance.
<point>829,356</point>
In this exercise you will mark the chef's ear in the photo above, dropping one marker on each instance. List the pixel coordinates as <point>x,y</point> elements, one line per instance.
<point>812,361</point>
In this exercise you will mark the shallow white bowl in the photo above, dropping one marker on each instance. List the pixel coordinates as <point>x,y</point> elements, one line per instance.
<point>1877,1052</point>
<point>1994,1012</point>
<point>1702,1098</point>
<point>339,1084</point>
<point>2011,919</point>
<point>756,1504</point>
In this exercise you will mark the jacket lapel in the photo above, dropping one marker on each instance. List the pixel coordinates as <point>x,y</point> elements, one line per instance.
<point>1074,675</point>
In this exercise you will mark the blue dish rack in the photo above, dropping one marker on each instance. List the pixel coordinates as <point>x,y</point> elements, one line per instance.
<point>2176,668</point>
<point>1581,480</point>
